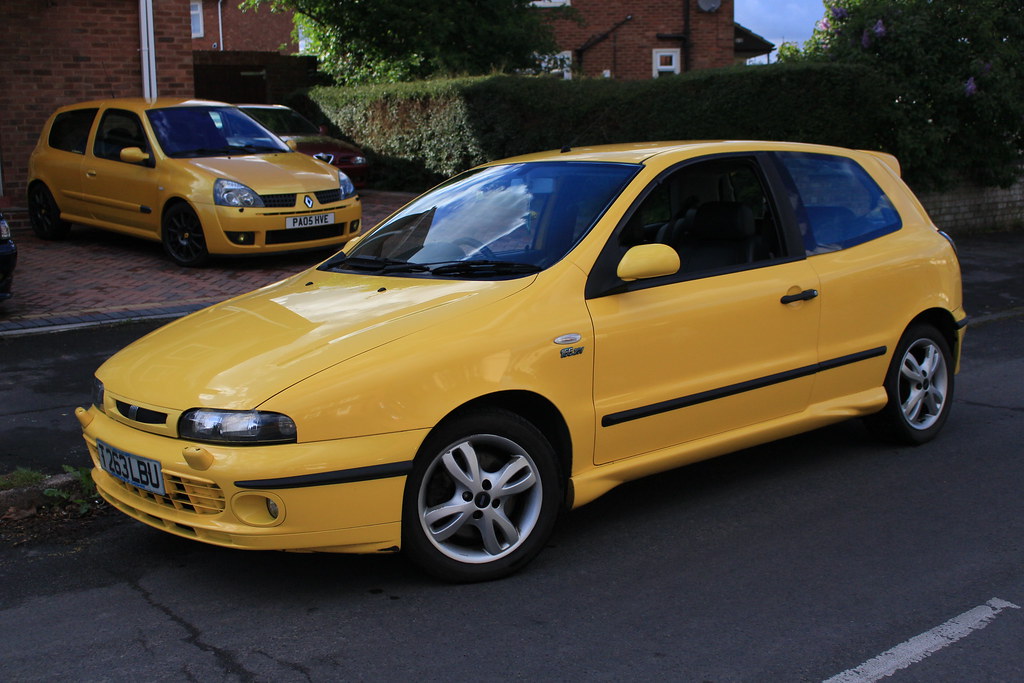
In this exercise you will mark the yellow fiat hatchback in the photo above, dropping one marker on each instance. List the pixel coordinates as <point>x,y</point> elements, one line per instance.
<point>200,177</point>
<point>527,336</point>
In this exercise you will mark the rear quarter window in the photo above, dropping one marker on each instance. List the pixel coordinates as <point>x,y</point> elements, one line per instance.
<point>70,130</point>
<point>837,203</point>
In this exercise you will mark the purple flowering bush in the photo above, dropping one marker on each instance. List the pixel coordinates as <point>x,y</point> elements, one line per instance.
<point>958,72</point>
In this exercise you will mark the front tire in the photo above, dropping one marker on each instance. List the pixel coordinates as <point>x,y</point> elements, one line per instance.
<point>482,499</point>
<point>44,214</point>
<point>182,237</point>
<point>919,384</point>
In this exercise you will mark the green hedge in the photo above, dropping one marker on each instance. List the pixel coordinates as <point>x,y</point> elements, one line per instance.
<point>418,133</point>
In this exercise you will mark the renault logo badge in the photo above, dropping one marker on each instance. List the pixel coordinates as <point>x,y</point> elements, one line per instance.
<point>309,202</point>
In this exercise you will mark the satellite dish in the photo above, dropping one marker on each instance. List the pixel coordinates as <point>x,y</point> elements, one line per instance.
<point>709,5</point>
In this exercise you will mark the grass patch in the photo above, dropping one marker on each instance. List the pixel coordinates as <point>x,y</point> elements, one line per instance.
<point>20,478</point>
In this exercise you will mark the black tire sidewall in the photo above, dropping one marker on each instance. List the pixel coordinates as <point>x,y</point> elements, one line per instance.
<point>419,548</point>
<point>58,229</point>
<point>890,423</point>
<point>194,262</point>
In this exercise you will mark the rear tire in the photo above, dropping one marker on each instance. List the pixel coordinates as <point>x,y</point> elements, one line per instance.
<point>919,384</point>
<point>182,237</point>
<point>482,499</point>
<point>44,214</point>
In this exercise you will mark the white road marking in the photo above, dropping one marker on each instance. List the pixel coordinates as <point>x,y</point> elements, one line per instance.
<point>924,645</point>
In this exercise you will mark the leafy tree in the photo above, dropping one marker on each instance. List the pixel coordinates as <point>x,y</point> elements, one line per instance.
<point>956,67</point>
<point>377,41</point>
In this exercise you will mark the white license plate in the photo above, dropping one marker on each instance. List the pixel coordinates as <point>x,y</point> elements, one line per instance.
<point>309,221</point>
<point>140,472</point>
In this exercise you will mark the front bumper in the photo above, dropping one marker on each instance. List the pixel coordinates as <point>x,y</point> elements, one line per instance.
<point>237,231</point>
<point>219,499</point>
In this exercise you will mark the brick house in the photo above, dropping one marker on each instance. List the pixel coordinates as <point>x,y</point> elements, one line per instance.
<point>637,39</point>
<point>57,52</point>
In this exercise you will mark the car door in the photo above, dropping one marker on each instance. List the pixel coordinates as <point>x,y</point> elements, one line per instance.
<point>121,195</point>
<point>727,342</point>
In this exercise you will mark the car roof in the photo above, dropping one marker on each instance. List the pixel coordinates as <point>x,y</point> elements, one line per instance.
<point>143,104</point>
<point>643,152</point>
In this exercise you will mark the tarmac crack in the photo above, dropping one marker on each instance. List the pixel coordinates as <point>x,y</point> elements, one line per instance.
<point>224,658</point>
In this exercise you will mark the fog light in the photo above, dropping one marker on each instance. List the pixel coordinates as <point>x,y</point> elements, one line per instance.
<point>258,508</point>
<point>241,237</point>
<point>354,226</point>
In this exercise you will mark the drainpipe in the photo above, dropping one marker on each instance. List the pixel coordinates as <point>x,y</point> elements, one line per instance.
<point>686,36</point>
<point>220,24</point>
<point>146,49</point>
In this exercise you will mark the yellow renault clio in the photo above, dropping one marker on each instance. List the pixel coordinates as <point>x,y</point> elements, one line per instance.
<point>201,177</point>
<point>527,336</point>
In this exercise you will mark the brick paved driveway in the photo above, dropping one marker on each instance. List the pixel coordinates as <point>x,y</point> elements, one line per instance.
<point>97,276</point>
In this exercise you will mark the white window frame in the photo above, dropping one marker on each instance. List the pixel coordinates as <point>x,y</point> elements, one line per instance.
<point>551,3</point>
<point>657,69</point>
<point>196,12</point>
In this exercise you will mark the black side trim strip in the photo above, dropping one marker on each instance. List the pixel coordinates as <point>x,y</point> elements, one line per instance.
<point>395,469</point>
<point>961,324</point>
<point>733,389</point>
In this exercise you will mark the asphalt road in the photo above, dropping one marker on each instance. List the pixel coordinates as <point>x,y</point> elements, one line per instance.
<point>824,555</point>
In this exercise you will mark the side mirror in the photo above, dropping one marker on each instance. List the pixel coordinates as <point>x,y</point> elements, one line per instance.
<point>134,155</point>
<point>646,261</point>
<point>292,145</point>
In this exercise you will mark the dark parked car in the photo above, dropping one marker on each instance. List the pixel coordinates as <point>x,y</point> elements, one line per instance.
<point>292,126</point>
<point>8,259</point>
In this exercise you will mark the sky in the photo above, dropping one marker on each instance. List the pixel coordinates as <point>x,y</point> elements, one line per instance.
<point>780,20</point>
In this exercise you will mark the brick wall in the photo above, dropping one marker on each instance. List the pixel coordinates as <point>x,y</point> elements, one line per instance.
<point>627,53</point>
<point>970,208</point>
<point>258,30</point>
<point>57,52</point>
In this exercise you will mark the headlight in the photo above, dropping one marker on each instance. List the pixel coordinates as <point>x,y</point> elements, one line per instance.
<point>98,394</point>
<point>5,229</point>
<point>358,161</point>
<point>347,188</point>
<point>243,427</point>
<point>230,193</point>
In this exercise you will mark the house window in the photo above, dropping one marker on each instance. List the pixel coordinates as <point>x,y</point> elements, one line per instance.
<point>665,62</point>
<point>196,10</point>
<point>551,3</point>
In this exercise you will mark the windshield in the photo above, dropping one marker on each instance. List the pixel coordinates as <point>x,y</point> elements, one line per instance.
<point>282,121</point>
<point>189,132</point>
<point>504,220</point>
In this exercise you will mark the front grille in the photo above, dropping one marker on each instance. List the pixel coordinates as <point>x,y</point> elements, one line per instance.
<point>317,232</point>
<point>278,201</point>
<point>138,414</point>
<point>328,196</point>
<point>188,494</point>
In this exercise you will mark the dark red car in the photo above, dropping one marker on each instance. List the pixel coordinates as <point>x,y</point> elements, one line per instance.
<point>290,125</point>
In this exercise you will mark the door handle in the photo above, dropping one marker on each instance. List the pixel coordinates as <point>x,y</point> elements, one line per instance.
<point>90,173</point>
<point>805,295</point>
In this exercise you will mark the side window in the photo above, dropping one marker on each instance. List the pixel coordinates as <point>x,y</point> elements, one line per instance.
<point>837,203</point>
<point>715,214</point>
<point>70,130</point>
<point>118,129</point>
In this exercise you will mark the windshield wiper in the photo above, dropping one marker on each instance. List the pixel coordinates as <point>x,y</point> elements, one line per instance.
<point>485,267</point>
<point>373,264</point>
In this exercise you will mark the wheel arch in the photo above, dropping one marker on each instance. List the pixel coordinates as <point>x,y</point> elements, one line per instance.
<point>534,408</point>
<point>943,321</point>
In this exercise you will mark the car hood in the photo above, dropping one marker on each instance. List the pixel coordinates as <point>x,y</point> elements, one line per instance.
<point>284,172</point>
<point>239,353</point>
<point>324,143</point>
